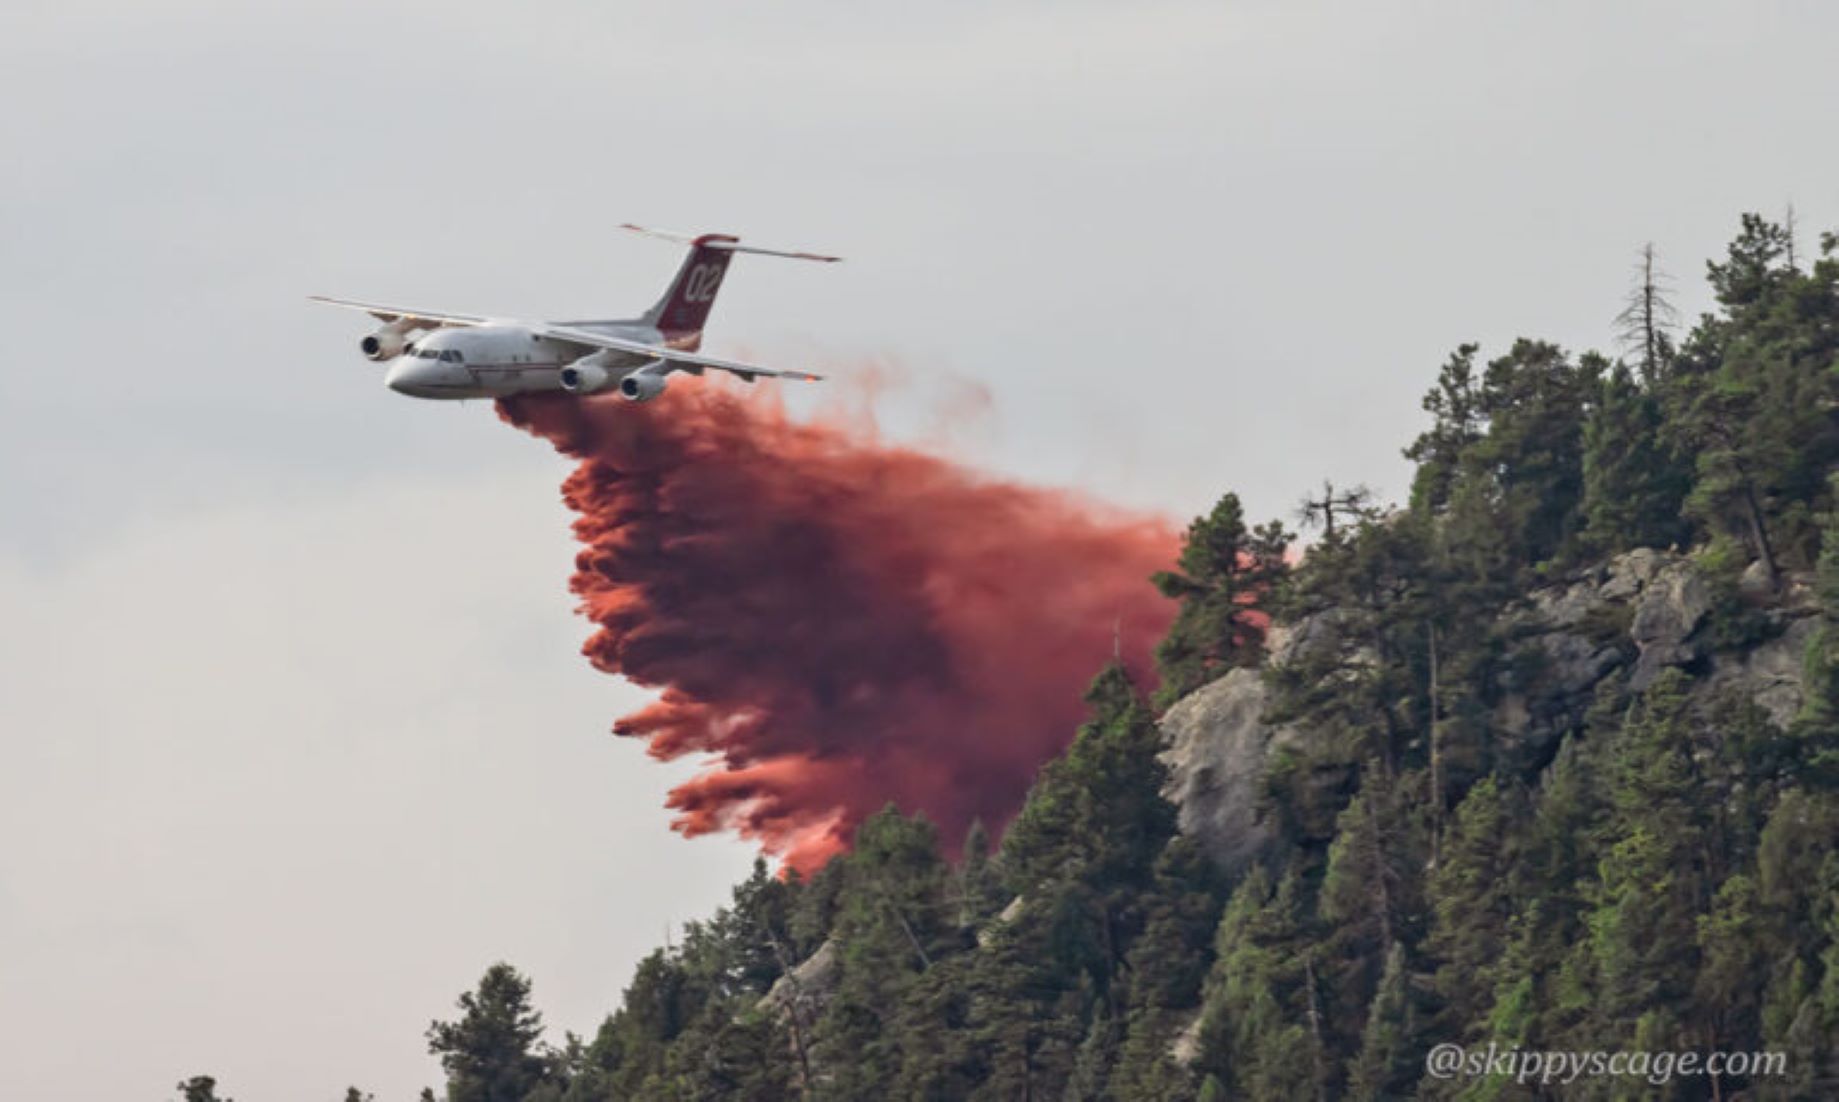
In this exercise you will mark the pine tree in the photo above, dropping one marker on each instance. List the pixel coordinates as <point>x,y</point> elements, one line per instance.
<point>980,888</point>
<point>1224,575</point>
<point>729,1052</point>
<point>490,1054</point>
<point>893,923</point>
<point>1471,904</point>
<point>1097,813</point>
<point>1262,1030</point>
<point>1816,728</point>
<point>1634,486</point>
<point>1391,1056</point>
<point>1752,397</point>
<point>1370,890</point>
<point>1529,466</point>
<point>1643,928</point>
<point>1797,897</point>
<point>1165,968</point>
<point>1458,422</point>
<point>631,1046</point>
<point>1731,951</point>
<point>200,1088</point>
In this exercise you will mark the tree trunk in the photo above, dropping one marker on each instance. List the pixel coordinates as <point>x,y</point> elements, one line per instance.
<point>1315,1032</point>
<point>797,1010</point>
<point>1436,758</point>
<point>1760,533</point>
<point>920,950</point>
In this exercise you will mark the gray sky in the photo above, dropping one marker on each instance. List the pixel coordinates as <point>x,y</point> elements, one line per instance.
<point>294,735</point>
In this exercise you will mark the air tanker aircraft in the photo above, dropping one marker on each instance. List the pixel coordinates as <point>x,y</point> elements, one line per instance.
<point>440,355</point>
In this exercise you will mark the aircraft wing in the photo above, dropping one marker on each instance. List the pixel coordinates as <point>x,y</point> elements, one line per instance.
<point>672,356</point>
<point>574,335</point>
<point>429,318</point>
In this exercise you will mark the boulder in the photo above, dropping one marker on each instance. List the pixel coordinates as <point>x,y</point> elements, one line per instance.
<point>807,987</point>
<point>1185,1049</point>
<point>1668,612</point>
<point>1536,714</point>
<point>1769,673</point>
<point>1631,571</point>
<point>1217,744</point>
<point>1009,914</point>
<point>1754,583</point>
<point>1319,632</point>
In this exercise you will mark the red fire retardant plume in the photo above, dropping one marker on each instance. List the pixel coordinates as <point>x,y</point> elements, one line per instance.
<point>839,622</point>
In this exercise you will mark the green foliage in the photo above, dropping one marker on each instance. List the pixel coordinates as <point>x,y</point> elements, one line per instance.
<point>1530,464</point>
<point>1225,573</point>
<point>491,1053</point>
<point>1817,727</point>
<point>1752,395</point>
<point>1634,484</point>
<point>1471,903</point>
<point>1390,1057</point>
<point>892,925</point>
<point>1261,1032</point>
<point>200,1088</point>
<point>1097,812</point>
<point>1457,423</point>
<point>1654,878</point>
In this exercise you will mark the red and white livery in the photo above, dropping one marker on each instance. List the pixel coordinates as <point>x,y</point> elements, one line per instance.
<point>435,354</point>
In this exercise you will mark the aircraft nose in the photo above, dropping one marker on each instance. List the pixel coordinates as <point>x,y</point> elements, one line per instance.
<point>407,376</point>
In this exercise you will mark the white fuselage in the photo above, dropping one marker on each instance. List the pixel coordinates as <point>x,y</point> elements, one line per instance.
<point>439,354</point>
<point>496,361</point>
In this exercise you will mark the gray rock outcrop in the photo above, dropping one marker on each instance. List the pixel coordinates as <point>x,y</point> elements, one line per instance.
<point>1668,611</point>
<point>1642,610</point>
<point>1630,618</point>
<point>807,987</point>
<point>1218,744</point>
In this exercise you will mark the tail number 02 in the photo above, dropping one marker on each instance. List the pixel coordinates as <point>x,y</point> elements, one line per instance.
<point>702,281</point>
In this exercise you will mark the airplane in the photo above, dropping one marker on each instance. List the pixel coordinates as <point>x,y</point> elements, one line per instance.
<point>436,354</point>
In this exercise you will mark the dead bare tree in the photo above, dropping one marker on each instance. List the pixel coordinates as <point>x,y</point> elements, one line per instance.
<point>1354,504</point>
<point>1789,224</point>
<point>1648,316</point>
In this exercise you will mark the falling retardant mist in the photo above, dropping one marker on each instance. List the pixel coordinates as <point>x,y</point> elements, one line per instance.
<point>834,621</point>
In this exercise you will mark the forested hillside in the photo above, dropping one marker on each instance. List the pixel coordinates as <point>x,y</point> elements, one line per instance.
<point>1527,764</point>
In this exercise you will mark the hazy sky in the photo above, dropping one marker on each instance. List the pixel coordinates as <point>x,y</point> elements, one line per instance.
<point>294,735</point>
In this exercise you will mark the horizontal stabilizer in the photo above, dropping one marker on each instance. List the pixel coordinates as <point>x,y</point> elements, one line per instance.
<point>725,243</point>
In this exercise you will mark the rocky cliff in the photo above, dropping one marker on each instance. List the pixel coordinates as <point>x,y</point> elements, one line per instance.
<point>1628,619</point>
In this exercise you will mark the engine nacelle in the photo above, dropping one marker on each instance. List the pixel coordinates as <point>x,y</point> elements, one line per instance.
<point>386,343</point>
<point>585,377</point>
<point>641,386</point>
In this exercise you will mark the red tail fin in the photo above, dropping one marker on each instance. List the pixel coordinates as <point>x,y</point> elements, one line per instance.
<point>685,306</point>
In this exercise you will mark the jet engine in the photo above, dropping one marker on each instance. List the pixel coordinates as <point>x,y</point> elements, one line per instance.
<point>585,376</point>
<point>641,386</point>
<point>386,343</point>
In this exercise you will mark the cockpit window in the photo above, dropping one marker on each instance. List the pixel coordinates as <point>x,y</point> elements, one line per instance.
<point>449,356</point>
